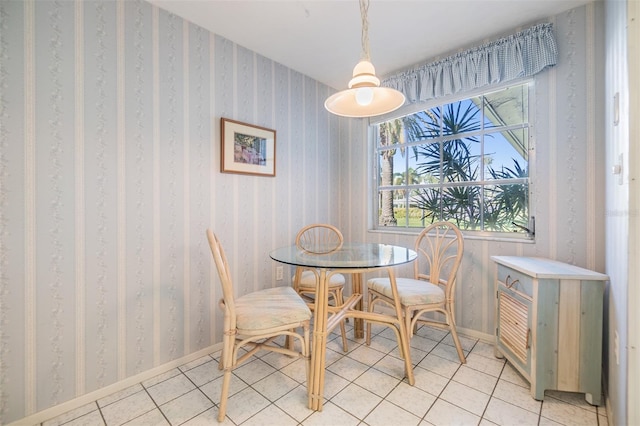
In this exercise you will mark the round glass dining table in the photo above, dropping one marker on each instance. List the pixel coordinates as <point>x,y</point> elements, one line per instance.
<point>349,256</point>
<point>353,258</point>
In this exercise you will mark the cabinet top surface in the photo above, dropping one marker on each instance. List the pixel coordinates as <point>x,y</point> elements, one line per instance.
<point>539,267</point>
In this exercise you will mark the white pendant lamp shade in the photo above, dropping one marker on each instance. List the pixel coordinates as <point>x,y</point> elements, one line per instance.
<point>365,97</point>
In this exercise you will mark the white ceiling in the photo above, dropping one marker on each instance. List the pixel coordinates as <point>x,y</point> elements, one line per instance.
<point>321,38</point>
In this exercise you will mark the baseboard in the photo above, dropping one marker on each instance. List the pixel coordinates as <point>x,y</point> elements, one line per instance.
<point>484,337</point>
<point>85,399</point>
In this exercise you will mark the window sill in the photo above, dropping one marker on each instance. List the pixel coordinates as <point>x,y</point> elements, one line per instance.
<point>503,237</point>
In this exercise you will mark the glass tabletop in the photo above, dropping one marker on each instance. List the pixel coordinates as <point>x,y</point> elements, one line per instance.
<point>350,255</point>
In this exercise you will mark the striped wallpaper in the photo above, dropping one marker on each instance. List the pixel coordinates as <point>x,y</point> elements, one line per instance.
<point>109,176</point>
<point>109,160</point>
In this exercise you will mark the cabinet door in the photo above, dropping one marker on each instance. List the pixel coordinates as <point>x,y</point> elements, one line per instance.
<point>513,334</point>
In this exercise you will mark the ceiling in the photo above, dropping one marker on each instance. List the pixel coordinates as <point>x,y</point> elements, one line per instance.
<point>322,38</point>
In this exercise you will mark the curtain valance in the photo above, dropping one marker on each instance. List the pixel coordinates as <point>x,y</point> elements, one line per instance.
<point>519,55</point>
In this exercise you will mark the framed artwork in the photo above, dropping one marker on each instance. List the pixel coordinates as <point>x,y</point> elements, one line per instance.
<point>247,149</point>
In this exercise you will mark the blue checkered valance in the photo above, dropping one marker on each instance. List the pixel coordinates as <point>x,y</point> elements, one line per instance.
<point>519,55</point>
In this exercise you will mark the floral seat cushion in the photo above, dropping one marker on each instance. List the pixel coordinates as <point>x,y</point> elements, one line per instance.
<point>410,291</point>
<point>270,308</point>
<point>308,280</point>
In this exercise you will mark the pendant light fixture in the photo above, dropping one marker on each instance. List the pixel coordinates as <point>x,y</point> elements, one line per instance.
<point>364,97</point>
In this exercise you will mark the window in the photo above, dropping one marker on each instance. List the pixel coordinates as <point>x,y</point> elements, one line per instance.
<point>466,162</point>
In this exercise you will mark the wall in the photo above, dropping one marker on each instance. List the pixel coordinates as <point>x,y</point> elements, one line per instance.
<point>109,168</point>
<point>618,213</point>
<point>633,284</point>
<point>567,167</point>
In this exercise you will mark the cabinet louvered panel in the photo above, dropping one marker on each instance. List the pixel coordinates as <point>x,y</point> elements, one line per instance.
<point>513,325</point>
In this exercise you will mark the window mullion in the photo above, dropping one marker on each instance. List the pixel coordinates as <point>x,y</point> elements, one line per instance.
<point>472,194</point>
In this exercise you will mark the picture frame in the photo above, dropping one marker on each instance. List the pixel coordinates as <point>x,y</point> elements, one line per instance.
<point>247,149</point>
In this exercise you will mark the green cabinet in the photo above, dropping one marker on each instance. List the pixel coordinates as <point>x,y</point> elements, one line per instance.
<point>549,324</point>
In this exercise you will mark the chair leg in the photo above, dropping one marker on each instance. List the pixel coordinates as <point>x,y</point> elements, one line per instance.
<point>306,352</point>
<point>226,342</point>
<point>408,366</point>
<point>340,296</point>
<point>338,300</point>
<point>406,321</point>
<point>456,341</point>
<point>222,410</point>
<point>404,324</point>
<point>289,342</point>
<point>227,360</point>
<point>451,320</point>
<point>343,332</point>
<point>367,324</point>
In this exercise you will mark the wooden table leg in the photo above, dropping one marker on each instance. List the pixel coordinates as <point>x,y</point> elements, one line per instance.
<point>318,352</point>
<point>356,288</point>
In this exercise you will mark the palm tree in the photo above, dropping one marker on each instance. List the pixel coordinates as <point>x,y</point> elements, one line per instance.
<point>507,203</point>
<point>391,133</point>
<point>450,162</point>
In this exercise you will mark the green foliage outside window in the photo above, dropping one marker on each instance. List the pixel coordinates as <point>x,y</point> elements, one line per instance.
<point>464,162</point>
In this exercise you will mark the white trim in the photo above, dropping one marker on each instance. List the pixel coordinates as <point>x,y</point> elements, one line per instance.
<point>79,200</point>
<point>29,208</point>
<point>60,409</point>
<point>157,314</point>
<point>592,207</point>
<point>633,285</point>
<point>121,191</point>
<point>186,204</point>
<point>212,193</point>
<point>552,193</point>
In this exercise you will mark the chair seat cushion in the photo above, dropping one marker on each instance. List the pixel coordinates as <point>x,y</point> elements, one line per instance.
<point>270,308</point>
<point>308,280</point>
<point>410,291</point>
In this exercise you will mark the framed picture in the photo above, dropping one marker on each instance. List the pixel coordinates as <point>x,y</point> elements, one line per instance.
<point>247,149</point>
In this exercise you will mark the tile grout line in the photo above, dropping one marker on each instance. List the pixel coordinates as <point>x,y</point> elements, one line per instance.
<point>154,403</point>
<point>355,345</point>
<point>493,391</point>
<point>104,420</point>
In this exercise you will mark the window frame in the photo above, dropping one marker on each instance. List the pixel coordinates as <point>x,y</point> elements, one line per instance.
<point>372,137</point>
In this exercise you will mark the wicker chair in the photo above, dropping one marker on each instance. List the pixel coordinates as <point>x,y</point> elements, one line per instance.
<point>432,288</point>
<point>320,239</point>
<point>255,320</point>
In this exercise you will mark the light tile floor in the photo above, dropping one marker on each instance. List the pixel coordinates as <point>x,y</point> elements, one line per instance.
<point>363,387</point>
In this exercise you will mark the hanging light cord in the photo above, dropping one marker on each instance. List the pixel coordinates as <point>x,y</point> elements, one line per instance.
<point>364,8</point>
<point>364,97</point>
